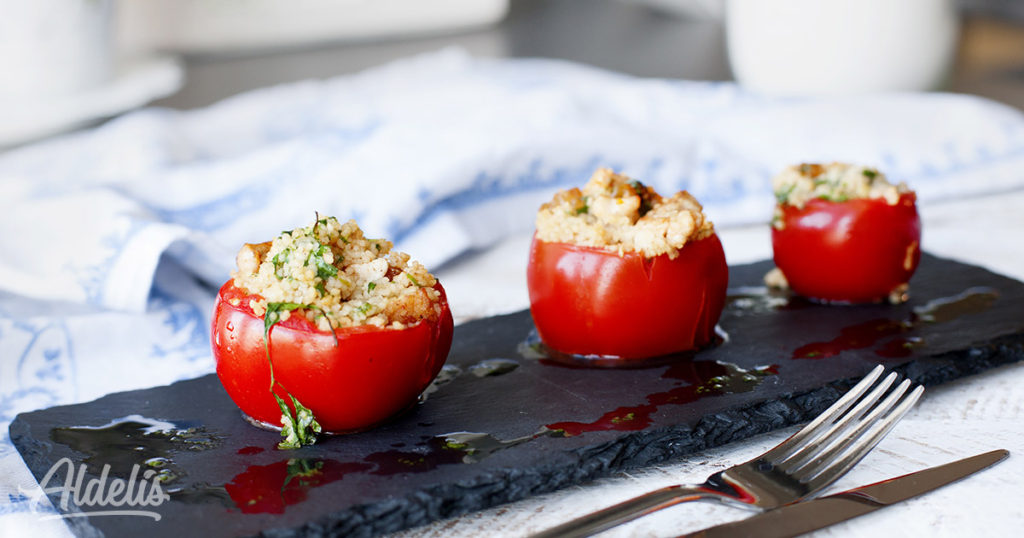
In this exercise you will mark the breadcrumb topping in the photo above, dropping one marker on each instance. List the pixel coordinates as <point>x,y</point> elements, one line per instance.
<point>620,214</point>
<point>837,182</point>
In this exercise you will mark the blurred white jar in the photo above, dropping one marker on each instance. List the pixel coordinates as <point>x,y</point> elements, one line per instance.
<point>827,47</point>
<point>54,47</point>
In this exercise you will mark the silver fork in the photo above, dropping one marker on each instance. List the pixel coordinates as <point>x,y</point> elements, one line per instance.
<point>800,466</point>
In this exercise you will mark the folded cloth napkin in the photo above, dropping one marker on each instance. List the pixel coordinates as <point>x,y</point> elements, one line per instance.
<point>443,153</point>
<point>115,239</point>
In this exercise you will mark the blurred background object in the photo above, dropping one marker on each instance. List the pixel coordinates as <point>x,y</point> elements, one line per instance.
<point>694,9</point>
<point>204,26</point>
<point>54,47</point>
<point>811,47</point>
<point>231,46</point>
<point>59,68</point>
<point>650,38</point>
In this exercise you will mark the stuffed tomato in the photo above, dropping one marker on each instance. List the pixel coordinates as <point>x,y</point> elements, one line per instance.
<point>326,330</point>
<point>843,233</point>
<point>618,272</point>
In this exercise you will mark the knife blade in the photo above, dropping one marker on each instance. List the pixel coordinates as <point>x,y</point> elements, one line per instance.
<point>806,516</point>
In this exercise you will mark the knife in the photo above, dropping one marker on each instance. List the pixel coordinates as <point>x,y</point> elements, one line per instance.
<point>798,518</point>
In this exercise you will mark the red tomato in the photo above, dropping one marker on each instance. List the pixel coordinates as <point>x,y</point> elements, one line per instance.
<point>588,301</point>
<point>854,251</point>
<point>367,376</point>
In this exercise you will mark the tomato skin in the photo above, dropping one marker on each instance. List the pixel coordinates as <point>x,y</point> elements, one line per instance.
<point>368,376</point>
<point>855,251</point>
<point>588,301</point>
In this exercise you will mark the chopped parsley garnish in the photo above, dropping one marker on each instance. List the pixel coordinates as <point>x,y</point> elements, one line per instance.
<point>324,270</point>
<point>319,286</point>
<point>365,308</point>
<point>370,286</point>
<point>870,174</point>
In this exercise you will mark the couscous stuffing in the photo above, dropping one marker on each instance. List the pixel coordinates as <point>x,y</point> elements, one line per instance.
<point>345,278</point>
<point>620,214</point>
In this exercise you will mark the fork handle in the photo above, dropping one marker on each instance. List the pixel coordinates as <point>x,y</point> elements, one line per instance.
<point>625,511</point>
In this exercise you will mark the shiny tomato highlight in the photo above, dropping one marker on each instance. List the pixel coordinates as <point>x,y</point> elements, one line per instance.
<point>366,376</point>
<point>589,301</point>
<point>856,251</point>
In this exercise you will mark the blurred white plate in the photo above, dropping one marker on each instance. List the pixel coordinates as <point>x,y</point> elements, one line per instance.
<point>223,26</point>
<point>134,84</point>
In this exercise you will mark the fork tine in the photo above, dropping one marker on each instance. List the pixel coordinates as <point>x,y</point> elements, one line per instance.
<point>795,441</point>
<point>838,429</point>
<point>828,449</point>
<point>858,450</point>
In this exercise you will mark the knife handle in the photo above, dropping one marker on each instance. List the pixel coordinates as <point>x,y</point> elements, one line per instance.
<point>625,511</point>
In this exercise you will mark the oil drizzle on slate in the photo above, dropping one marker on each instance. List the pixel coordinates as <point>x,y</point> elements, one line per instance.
<point>746,300</point>
<point>864,335</point>
<point>135,440</point>
<point>493,367</point>
<point>271,488</point>
<point>447,374</point>
<point>705,378</point>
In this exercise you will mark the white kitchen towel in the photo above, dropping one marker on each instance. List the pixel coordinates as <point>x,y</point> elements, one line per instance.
<point>444,153</point>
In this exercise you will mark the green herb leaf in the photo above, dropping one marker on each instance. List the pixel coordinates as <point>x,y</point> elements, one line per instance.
<point>835,197</point>
<point>299,428</point>
<point>300,469</point>
<point>365,308</point>
<point>319,287</point>
<point>583,209</point>
<point>279,260</point>
<point>273,315</point>
<point>370,286</point>
<point>645,200</point>
<point>324,270</point>
<point>870,174</point>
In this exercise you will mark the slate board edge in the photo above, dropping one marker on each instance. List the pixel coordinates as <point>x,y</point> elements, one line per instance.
<point>629,451</point>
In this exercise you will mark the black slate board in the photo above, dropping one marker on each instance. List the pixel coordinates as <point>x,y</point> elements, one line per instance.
<point>783,362</point>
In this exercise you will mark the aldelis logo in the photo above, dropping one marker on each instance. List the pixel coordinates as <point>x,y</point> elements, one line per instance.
<point>101,495</point>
